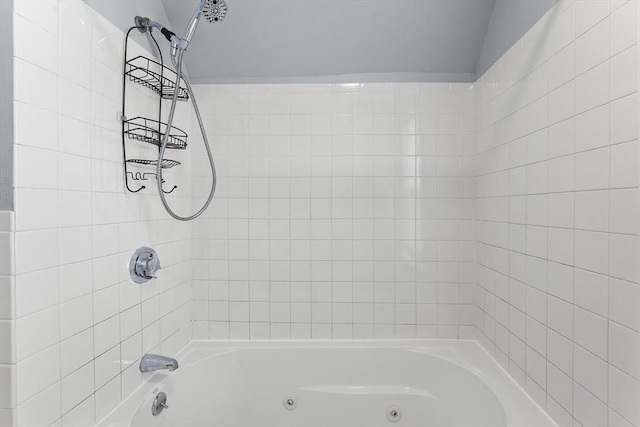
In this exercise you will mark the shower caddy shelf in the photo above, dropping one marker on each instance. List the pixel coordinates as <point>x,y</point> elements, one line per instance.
<point>166,163</point>
<point>142,70</point>
<point>152,75</point>
<point>146,130</point>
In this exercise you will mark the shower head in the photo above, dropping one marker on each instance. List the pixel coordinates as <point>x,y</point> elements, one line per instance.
<point>214,10</point>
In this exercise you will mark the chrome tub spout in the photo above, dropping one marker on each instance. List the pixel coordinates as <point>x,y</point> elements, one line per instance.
<point>155,362</point>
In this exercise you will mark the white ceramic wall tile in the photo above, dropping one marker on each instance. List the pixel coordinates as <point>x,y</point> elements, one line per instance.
<point>7,298</point>
<point>76,387</point>
<point>8,401</point>
<point>34,374</point>
<point>41,409</point>
<point>7,260</point>
<point>44,55</point>
<point>43,13</point>
<point>333,207</point>
<point>589,217</point>
<point>71,211</point>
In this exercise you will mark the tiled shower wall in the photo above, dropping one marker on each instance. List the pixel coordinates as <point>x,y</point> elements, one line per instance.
<point>557,213</point>
<point>7,317</point>
<point>342,211</point>
<point>81,325</point>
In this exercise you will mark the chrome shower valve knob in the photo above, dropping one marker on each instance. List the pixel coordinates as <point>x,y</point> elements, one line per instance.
<point>144,265</point>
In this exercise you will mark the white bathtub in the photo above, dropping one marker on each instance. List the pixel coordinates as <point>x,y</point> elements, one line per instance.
<point>433,383</point>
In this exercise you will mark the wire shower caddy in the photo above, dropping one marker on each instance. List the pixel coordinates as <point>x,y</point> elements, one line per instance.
<point>157,78</point>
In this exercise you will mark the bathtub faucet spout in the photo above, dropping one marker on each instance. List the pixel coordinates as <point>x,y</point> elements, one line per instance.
<point>155,362</point>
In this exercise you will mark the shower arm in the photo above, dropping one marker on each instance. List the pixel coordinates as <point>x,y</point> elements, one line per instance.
<point>144,24</point>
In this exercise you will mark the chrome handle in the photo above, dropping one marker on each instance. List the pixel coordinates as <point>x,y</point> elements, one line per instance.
<point>159,404</point>
<point>144,265</point>
<point>148,265</point>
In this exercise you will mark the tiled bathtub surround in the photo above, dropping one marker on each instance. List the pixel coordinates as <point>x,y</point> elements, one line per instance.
<point>342,211</point>
<point>7,319</point>
<point>81,325</point>
<point>557,213</point>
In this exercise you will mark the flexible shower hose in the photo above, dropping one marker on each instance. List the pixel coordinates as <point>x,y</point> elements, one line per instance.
<point>165,139</point>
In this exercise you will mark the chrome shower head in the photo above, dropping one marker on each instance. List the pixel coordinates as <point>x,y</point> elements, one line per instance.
<point>214,10</point>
